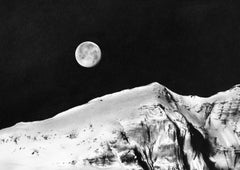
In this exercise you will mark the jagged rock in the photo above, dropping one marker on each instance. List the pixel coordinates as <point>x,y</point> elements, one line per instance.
<point>145,128</point>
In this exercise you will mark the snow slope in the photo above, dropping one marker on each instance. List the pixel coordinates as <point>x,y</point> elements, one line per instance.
<point>145,128</point>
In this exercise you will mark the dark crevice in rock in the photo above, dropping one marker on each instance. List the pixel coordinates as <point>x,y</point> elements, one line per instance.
<point>161,106</point>
<point>208,109</point>
<point>151,155</point>
<point>168,96</point>
<point>180,140</point>
<point>124,136</point>
<point>102,160</point>
<point>201,145</point>
<point>128,158</point>
<point>140,160</point>
<point>147,130</point>
<point>237,157</point>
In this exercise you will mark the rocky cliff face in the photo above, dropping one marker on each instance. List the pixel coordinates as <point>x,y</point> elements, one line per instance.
<point>145,128</point>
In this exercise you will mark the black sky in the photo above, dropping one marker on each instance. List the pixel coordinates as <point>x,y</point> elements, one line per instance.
<point>192,47</point>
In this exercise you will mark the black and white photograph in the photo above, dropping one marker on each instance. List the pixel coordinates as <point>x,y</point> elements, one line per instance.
<point>119,85</point>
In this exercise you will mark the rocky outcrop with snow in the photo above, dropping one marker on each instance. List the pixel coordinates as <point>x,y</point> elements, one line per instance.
<point>145,128</point>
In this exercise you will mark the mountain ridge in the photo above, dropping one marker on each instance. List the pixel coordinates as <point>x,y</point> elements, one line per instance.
<point>148,127</point>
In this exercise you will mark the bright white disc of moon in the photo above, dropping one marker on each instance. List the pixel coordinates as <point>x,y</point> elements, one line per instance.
<point>88,54</point>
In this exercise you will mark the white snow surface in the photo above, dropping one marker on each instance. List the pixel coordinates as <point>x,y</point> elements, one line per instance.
<point>110,132</point>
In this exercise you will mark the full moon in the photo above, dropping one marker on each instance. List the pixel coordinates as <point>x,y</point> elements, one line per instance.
<point>88,54</point>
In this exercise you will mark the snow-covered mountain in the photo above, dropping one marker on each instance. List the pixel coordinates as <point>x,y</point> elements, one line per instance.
<point>145,128</point>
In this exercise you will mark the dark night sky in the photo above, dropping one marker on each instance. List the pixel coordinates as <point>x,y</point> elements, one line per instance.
<point>192,47</point>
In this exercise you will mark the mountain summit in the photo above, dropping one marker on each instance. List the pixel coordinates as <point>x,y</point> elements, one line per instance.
<point>145,128</point>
